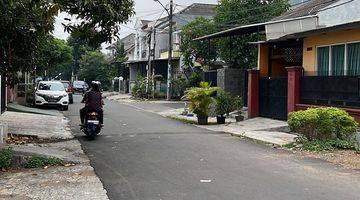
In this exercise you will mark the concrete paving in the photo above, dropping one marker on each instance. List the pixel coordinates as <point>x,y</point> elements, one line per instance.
<point>144,156</point>
<point>262,129</point>
<point>78,182</point>
<point>42,126</point>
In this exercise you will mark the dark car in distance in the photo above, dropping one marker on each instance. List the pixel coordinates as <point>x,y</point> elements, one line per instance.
<point>69,89</point>
<point>80,86</point>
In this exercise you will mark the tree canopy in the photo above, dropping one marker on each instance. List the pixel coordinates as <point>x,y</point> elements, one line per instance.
<point>202,52</point>
<point>93,66</point>
<point>237,51</point>
<point>25,24</point>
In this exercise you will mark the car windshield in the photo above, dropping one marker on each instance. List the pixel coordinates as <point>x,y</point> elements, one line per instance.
<point>66,84</point>
<point>51,86</point>
<point>79,84</point>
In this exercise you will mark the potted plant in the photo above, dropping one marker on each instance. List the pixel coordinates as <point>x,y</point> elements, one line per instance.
<point>238,104</point>
<point>224,106</point>
<point>199,101</point>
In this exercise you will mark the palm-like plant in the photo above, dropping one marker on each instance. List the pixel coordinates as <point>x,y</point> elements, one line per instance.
<point>200,99</point>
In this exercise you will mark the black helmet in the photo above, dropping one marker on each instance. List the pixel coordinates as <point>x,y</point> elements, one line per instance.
<point>95,85</point>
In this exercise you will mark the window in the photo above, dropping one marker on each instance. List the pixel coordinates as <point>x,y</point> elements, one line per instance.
<point>339,59</point>
<point>353,58</point>
<point>323,61</point>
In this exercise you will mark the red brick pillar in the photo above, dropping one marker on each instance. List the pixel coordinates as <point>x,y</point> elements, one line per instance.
<point>253,93</point>
<point>294,76</point>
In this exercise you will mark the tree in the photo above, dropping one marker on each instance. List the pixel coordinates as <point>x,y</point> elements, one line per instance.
<point>237,51</point>
<point>25,23</point>
<point>23,26</point>
<point>55,56</point>
<point>202,52</point>
<point>93,66</point>
<point>98,20</point>
<point>118,64</point>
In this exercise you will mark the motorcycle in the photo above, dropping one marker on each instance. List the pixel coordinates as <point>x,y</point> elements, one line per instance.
<point>92,126</point>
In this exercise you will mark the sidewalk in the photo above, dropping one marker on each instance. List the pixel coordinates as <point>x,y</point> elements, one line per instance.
<point>51,138</point>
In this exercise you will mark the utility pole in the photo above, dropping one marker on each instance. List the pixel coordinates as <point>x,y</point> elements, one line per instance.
<point>169,77</point>
<point>149,70</point>
<point>152,73</point>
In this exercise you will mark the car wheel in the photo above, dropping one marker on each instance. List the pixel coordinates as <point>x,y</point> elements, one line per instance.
<point>65,108</point>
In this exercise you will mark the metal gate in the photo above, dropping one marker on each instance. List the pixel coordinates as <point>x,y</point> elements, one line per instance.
<point>3,94</point>
<point>273,97</point>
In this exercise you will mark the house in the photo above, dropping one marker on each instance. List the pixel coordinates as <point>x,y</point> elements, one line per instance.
<point>311,57</point>
<point>152,43</point>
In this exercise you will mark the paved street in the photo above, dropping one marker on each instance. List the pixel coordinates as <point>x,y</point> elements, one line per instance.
<point>143,156</point>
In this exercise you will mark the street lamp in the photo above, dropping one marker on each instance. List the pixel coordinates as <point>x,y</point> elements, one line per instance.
<point>169,76</point>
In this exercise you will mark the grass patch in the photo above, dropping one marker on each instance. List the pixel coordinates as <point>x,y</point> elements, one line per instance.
<point>6,156</point>
<point>188,121</point>
<point>303,143</point>
<point>40,162</point>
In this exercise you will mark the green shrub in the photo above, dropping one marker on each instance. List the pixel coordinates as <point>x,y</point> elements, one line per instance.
<point>224,103</point>
<point>200,98</point>
<point>179,86</point>
<point>323,123</point>
<point>238,104</point>
<point>5,158</point>
<point>38,162</point>
<point>139,89</point>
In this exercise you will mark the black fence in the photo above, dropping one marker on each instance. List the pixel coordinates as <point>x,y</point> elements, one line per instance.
<point>339,91</point>
<point>273,97</point>
<point>210,77</point>
<point>3,95</point>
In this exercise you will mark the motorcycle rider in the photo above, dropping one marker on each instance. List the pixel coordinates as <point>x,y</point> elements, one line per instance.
<point>93,102</point>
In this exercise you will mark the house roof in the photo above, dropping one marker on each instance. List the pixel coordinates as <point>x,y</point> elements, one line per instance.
<point>199,9</point>
<point>347,26</point>
<point>309,7</point>
<point>190,13</point>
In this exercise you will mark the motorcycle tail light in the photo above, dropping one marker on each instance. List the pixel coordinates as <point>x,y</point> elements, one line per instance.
<point>93,114</point>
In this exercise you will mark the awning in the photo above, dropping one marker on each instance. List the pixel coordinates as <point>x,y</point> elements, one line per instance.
<point>241,30</point>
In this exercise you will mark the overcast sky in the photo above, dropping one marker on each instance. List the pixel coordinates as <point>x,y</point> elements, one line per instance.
<point>145,9</point>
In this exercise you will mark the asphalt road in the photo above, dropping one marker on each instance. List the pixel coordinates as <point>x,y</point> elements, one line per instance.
<point>141,155</point>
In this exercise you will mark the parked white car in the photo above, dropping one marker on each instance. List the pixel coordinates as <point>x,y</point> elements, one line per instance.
<point>51,93</point>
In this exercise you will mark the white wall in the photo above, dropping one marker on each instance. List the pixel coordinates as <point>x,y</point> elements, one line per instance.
<point>343,11</point>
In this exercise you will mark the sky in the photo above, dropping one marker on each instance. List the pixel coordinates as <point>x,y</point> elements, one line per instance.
<point>145,9</point>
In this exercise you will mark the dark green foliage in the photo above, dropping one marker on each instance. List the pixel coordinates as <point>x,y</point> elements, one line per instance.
<point>55,57</point>
<point>5,158</point>
<point>26,25</point>
<point>118,64</point>
<point>139,89</point>
<point>179,86</point>
<point>224,103</point>
<point>200,98</point>
<point>194,79</point>
<point>100,19</point>
<point>93,66</point>
<point>38,162</point>
<point>237,51</point>
<point>323,123</point>
<point>238,103</point>
<point>303,143</point>
<point>202,52</point>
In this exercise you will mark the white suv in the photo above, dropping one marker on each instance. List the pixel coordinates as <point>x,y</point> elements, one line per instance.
<point>51,93</point>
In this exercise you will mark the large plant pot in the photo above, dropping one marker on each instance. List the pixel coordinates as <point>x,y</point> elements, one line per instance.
<point>220,119</point>
<point>239,118</point>
<point>202,120</point>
